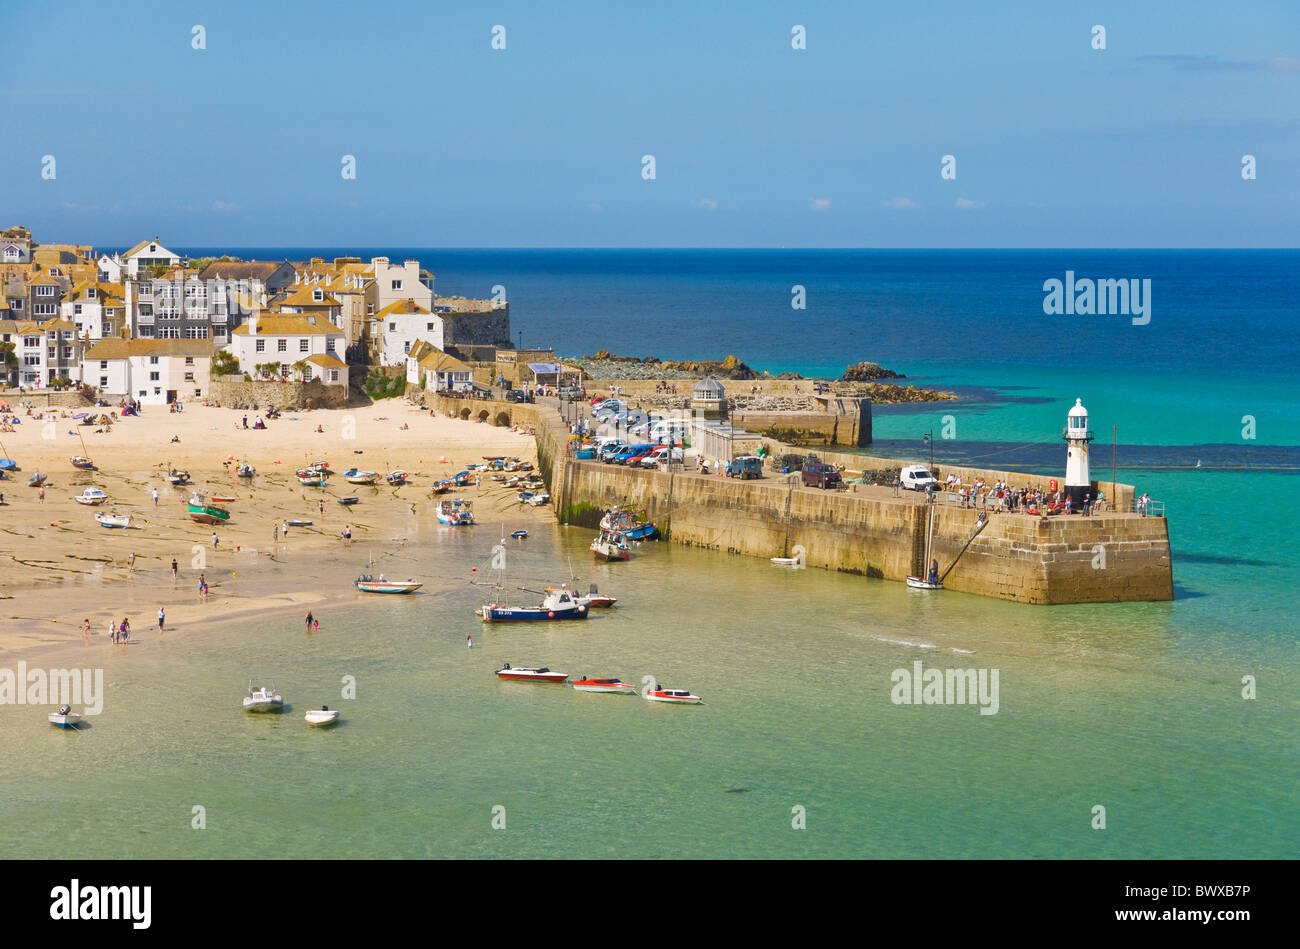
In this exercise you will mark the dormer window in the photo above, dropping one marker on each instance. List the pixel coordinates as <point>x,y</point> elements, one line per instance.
<point>317,295</point>
<point>91,293</point>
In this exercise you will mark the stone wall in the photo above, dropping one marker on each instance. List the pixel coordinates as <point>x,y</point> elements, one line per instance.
<point>476,327</point>
<point>811,429</point>
<point>228,390</point>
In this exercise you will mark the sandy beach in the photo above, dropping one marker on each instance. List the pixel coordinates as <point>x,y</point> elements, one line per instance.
<point>62,568</point>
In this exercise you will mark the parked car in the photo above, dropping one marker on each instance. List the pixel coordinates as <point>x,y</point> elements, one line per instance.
<point>615,447</point>
<point>819,475</point>
<point>746,466</point>
<point>514,395</point>
<point>632,451</point>
<point>569,394</point>
<point>659,455</point>
<point>918,478</point>
<point>608,407</point>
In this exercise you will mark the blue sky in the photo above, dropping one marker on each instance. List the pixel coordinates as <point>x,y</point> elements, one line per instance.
<point>756,144</point>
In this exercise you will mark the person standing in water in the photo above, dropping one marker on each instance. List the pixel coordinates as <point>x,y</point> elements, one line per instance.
<point>174,565</point>
<point>469,641</point>
<point>310,620</point>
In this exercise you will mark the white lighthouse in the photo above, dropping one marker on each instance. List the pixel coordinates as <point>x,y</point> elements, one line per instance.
<point>1077,481</point>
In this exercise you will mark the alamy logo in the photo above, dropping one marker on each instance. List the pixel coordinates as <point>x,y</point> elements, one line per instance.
<point>103,902</point>
<point>946,687</point>
<point>1085,297</point>
<point>53,687</point>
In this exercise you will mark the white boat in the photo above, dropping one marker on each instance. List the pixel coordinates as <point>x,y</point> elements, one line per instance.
<point>91,496</point>
<point>368,584</point>
<point>615,686</point>
<point>558,604</point>
<point>65,717</point>
<point>786,561</point>
<point>456,512</point>
<point>115,520</point>
<point>353,476</point>
<point>531,675</point>
<point>674,697</point>
<point>537,500</point>
<point>262,700</point>
<point>610,546</point>
<point>925,583</point>
<point>178,476</point>
<point>322,716</point>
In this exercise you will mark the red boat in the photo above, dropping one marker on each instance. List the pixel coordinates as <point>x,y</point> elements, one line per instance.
<point>531,675</point>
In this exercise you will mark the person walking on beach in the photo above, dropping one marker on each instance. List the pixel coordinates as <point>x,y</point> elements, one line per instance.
<point>347,536</point>
<point>285,527</point>
<point>310,620</point>
<point>214,540</point>
<point>162,619</point>
<point>112,630</point>
<point>41,494</point>
<point>155,497</point>
<point>173,568</point>
<point>322,508</point>
<point>85,637</point>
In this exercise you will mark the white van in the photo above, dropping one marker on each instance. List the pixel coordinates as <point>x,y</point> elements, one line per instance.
<point>669,428</point>
<point>918,478</point>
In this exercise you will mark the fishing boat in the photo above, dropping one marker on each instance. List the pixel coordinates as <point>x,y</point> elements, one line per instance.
<point>262,699</point>
<point>312,478</point>
<point>37,480</point>
<point>65,717</point>
<point>531,675</point>
<point>443,486</point>
<point>299,523</point>
<point>626,523</point>
<point>556,605</point>
<point>353,476</point>
<point>537,500</point>
<point>91,496</point>
<point>610,546</point>
<point>924,583</point>
<point>674,697</point>
<point>320,466</point>
<point>322,716</point>
<point>204,511</point>
<point>81,461</point>
<point>178,476</point>
<point>462,478</point>
<point>349,500</point>
<point>456,513</point>
<point>123,521</point>
<point>368,584</point>
<point>397,478</point>
<point>613,686</point>
<point>245,470</point>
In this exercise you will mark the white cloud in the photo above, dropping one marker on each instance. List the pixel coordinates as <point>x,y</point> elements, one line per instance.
<point>819,204</point>
<point>966,204</point>
<point>707,204</point>
<point>595,206</point>
<point>223,206</point>
<point>900,204</point>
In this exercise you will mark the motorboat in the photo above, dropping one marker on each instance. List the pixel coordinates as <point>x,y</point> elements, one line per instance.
<point>786,561</point>
<point>625,523</point>
<point>37,480</point>
<point>531,675</point>
<point>81,461</point>
<point>91,496</point>
<point>353,476</point>
<point>177,476</point>
<point>615,686</point>
<point>312,477</point>
<point>322,716</point>
<point>368,584</point>
<point>443,486</point>
<point>456,513</point>
<point>245,470</point>
<point>262,699</point>
<point>65,717</point>
<point>595,600</point>
<point>519,534</point>
<point>556,605</point>
<point>204,511</point>
<point>353,499</point>
<point>299,523</point>
<point>397,478</point>
<point>537,500</point>
<point>674,697</point>
<point>610,546</point>
<point>224,498</point>
<point>462,478</point>
<point>115,520</point>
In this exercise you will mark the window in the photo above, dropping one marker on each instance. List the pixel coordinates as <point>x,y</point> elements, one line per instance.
<point>31,360</point>
<point>76,309</point>
<point>429,327</point>
<point>334,375</point>
<point>189,377</point>
<point>306,373</point>
<point>157,390</point>
<point>68,334</point>
<point>67,352</point>
<point>196,332</point>
<point>51,352</point>
<point>143,393</point>
<point>317,296</point>
<point>397,284</point>
<point>304,345</point>
<point>406,347</point>
<point>16,304</point>
<point>281,345</point>
<point>103,364</point>
<point>90,293</point>
<point>330,343</point>
<point>153,360</point>
<point>43,309</point>
<point>45,291</point>
<point>103,382</point>
<point>198,393</point>
<point>284,369</point>
<point>392,327</point>
<point>189,360</point>
<point>370,309</point>
<point>30,341</point>
<point>153,377</point>
<point>261,346</point>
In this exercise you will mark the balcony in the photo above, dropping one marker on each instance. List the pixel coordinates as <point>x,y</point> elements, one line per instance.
<point>144,319</point>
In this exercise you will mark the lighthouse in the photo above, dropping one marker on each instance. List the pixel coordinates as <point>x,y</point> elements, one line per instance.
<point>1077,481</point>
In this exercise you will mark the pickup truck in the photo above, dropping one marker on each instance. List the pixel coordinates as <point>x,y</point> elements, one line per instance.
<point>819,475</point>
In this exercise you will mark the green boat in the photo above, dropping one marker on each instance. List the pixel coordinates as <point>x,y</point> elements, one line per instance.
<point>205,513</point>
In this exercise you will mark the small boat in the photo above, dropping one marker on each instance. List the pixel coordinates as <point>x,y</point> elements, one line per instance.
<point>91,496</point>
<point>115,520</point>
<point>537,500</point>
<point>557,605</point>
<point>8,464</point>
<point>674,696</point>
<point>224,498</point>
<point>462,478</point>
<point>245,470</point>
<point>320,466</point>
<point>925,583</point>
<point>299,523</point>
<point>786,561</point>
<point>204,511</point>
<point>351,500</point>
<point>353,476</point>
<point>456,513</point>
<point>312,479</point>
<point>80,461</point>
<point>610,546</point>
<point>176,476</point>
<point>322,716</point>
<point>443,486</point>
<point>625,523</point>
<point>262,700</point>
<point>519,534</point>
<point>65,717</point>
<point>615,686</point>
<point>397,478</point>
<point>368,584</point>
<point>37,480</point>
<point>595,600</point>
<point>531,675</point>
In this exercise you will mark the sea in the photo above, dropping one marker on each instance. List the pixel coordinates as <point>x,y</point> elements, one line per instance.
<point>1129,730</point>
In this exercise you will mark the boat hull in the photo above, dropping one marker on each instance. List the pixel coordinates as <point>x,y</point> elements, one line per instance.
<point>503,614</point>
<point>64,721</point>
<point>207,514</point>
<point>622,688</point>
<point>263,706</point>
<point>321,718</point>
<point>613,555</point>
<point>111,521</point>
<point>916,583</point>
<point>674,699</point>
<point>554,678</point>
<point>366,586</point>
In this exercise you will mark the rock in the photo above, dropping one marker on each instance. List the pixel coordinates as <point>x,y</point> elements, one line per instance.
<point>868,372</point>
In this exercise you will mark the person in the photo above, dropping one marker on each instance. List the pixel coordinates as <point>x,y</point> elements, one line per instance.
<point>347,536</point>
<point>320,430</point>
<point>112,630</point>
<point>275,533</point>
<point>86,635</point>
<point>285,527</point>
<point>214,540</point>
<point>203,582</point>
<point>934,572</point>
<point>322,508</point>
<point>155,497</point>
<point>245,421</point>
<point>173,566</point>
<point>309,620</point>
<point>315,625</point>
<point>41,494</point>
<point>130,563</point>
<point>162,619</point>
<point>469,641</point>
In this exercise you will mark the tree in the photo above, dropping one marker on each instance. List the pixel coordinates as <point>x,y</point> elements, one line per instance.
<point>224,363</point>
<point>300,367</point>
<point>8,360</point>
<point>268,370</point>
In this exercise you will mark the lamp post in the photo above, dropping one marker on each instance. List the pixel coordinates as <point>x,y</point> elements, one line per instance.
<point>928,438</point>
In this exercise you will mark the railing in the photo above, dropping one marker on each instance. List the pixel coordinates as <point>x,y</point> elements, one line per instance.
<point>1149,508</point>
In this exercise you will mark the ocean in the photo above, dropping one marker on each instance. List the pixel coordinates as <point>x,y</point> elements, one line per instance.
<point>1136,708</point>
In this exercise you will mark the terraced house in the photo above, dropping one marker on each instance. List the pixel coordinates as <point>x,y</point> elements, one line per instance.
<point>98,310</point>
<point>301,346</point>
<point>151,371</point>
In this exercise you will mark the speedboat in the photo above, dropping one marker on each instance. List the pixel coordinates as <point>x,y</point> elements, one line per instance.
<point>531,675</point>
<point>65,717</point>
<point>177,476</point>
<point>674,696</point>
<point>615,686</point>
<point>594,600</point>
<point>610,546</point>
<point>396,478</point>
<point>353,476</point>
<point>91,496</point>
<point>322,716</point>
<point>456,513</point>
<point>558,605</point>
<point>368,584</point>
<point>115,520</point>
<point>80,461</point>
<point>349,500</point>
<point>262,700</point>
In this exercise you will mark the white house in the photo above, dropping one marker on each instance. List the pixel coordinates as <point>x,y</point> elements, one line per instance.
<point>98,310</point>
<point>148,254</point>
<point>402,283</point>
<point>150,371</point>
<point>403,324</point>
<point>287,338</point>
<point>440,372</point>
<point>110,269</point>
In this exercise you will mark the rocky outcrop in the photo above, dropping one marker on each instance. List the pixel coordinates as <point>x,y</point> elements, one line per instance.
<point>868,372</point>
<point>605,365</point>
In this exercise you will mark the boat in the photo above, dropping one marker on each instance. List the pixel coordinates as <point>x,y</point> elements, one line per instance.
<point>353,476</point>
<point>443,486</point>
<point>177,476</point>
<point>299,523</point>
<point>786,561</point>
<point>456,513</point>
<point>595,600</point>
<point>65,717</point>
<point>610,546</point>
<point>462,478</point>
<point>115,520</point>
<point>615,686</point>
<point>262,700</point>
<point>320,466</point>
<point>8,464</point>
<point>674,696</point>
<point>556,605</point>
<point>224,498</point>
<point>312,477</point>
<point>81,461</point>
<point>537,500</point>
<point>205,512</point>
<point>625,523</point>
<point>91,496</point>
<point>245,470</point>
<point>350,500</point>
<point>519,534</point>
<point>368,584</point>
<point>924,583</point>
<point>531,675</point>
<point>397,478</point>
<point>37,480</point>
<point>322,716</point>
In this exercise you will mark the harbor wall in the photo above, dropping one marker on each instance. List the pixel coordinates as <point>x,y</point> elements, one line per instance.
<point>227,390</point>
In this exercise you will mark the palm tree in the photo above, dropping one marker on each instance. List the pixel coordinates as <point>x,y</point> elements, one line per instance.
<point>300,367</point>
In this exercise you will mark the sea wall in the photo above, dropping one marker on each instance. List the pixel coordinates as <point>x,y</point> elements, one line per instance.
<point>806,428</point>
<point>315,394</point>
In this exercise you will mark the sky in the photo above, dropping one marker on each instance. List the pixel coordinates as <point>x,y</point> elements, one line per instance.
<point>755,143</point>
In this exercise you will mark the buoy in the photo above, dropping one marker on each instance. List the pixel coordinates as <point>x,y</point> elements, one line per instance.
<point>473,569</point>
<point>442,459</point>
<point>550,615</point>
<point>233,573</point>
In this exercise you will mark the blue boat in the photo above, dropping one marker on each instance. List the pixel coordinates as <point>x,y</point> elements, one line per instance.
<point>558,605</point>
